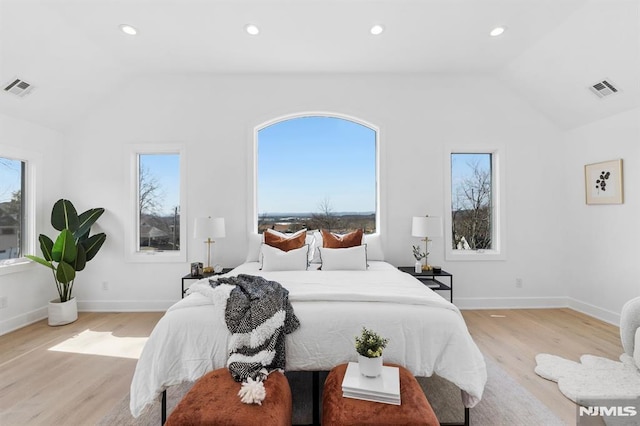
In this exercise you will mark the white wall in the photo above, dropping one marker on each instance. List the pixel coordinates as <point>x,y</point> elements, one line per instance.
<point>602,241</point>
<point>419,115</point>
<point>28,288</point>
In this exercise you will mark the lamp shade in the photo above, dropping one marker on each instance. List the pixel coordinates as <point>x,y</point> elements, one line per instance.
<point>426,226</point>
<point>208,227</point>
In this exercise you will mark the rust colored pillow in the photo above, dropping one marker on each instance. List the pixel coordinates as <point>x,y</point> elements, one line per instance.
<point>285,242</point>
<point>331,240</point>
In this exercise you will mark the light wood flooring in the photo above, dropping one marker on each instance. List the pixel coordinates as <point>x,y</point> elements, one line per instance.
<point>39,386</point>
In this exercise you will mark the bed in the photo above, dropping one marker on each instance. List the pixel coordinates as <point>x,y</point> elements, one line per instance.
<point>427,333</point>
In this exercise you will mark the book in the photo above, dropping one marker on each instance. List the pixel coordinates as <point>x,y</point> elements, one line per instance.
<point>385,388</point>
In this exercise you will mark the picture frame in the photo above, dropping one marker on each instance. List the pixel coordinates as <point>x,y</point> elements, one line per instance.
<point>603,182</point>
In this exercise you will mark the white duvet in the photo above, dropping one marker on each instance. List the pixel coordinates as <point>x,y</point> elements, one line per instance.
<point>426,333</point>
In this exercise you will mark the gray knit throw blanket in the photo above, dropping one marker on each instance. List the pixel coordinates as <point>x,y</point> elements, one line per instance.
<point>258,315</point>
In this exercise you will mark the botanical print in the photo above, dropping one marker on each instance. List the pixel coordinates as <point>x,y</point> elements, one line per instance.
<point>603,182</point>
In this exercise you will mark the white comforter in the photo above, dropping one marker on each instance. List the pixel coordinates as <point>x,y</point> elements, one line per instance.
<point>426,333</point>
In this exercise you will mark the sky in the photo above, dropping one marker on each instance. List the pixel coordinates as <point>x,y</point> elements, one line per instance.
<point>462,165</point>
<point>165,169</point>
<point>10,177</point>
<point>304,161</point>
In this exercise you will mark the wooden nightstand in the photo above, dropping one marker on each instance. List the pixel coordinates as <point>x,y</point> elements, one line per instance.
<point>199,277</point>
<point>432,279</point>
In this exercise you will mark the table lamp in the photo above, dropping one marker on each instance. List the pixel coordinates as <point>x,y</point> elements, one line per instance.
<point>425,227</point>
<point>209,228</point>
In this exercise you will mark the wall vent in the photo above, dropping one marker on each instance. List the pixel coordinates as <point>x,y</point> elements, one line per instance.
<point>18,87</point>
<point>604,88</point>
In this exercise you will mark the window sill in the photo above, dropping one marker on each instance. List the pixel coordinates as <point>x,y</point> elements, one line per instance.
<point>15,265</point>
<point>475,255</point>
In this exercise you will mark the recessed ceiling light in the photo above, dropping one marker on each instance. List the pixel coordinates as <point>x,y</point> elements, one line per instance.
<point>252,29</point>
<point>377,29</point>
<point>128,29</point>
<point>497,31</point>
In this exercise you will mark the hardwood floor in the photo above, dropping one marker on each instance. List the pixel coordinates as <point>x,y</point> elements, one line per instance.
<point>45,379</point>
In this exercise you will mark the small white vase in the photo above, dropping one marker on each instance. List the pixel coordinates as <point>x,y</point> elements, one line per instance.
<point>370,367</point>
<point>61,313</point>
<point>418,267</point>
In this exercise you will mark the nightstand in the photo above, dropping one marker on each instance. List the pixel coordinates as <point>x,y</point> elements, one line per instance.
<point>199,277</point>
<point>432,279</point>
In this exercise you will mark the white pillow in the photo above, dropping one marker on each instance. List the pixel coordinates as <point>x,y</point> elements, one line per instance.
<point>317,243</point>
<point>374,247</point>
<point>274,259</point>
<point>255,241</point>
<point>344,259</point>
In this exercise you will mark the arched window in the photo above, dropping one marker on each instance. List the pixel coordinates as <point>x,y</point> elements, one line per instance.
<point>316,171</point>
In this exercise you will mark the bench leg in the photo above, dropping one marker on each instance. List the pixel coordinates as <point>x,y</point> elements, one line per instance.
<point>315,383</point>
<point>163,406</point>
<point>466,419</point>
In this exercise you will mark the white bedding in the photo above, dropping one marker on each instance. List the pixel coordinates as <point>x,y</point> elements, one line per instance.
<point>426,333</point>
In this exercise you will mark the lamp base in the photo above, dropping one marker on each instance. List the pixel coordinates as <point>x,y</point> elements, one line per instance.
<point>207,269</point>
<point>427,267</point>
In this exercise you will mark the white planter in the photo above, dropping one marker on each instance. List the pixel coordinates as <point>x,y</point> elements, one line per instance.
<point>63,313</point>
<point>370,367</point>
<point>418,267</point>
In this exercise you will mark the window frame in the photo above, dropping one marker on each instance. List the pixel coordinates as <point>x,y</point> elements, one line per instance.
<point>252,220</point>
<point>29,202</point>
<point>132,237</point>
<point>498,250</point>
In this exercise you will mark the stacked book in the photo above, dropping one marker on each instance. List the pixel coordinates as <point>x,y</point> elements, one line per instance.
<point>384,388</point>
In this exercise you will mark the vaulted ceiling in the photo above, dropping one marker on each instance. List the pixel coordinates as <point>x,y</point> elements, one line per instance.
<point>74,53</point>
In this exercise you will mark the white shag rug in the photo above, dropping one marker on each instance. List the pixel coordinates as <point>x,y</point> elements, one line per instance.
<point>593,377</point>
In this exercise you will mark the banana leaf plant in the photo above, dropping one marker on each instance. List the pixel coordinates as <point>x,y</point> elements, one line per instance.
<point>73,247</point>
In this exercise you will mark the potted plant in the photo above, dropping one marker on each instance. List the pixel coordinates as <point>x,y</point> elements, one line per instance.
<point>70,252</point>
<point>369,346</point>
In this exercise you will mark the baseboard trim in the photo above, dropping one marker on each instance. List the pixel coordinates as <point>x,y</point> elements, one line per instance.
<point>124,305</point>
<point>17,322</point>
<point>594,311</point>
<point>510,302</point>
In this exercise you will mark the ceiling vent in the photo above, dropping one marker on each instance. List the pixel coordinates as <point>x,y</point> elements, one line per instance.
<point>604,88</point>
<point>18,87</point>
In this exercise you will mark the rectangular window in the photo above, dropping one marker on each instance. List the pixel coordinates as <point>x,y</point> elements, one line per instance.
<point>12,209</point>
<point>474,226</point>
<point>471,201</point>
<point>158,181</point>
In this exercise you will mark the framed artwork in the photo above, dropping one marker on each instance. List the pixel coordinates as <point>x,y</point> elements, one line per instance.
<point>603,182</point>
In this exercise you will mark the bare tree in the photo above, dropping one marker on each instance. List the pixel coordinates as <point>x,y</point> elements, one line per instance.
<point>471,210</point>
<point>150,194</point>
<point>325,218</point>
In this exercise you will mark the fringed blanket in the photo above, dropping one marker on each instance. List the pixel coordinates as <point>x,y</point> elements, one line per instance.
<point>258,315</point>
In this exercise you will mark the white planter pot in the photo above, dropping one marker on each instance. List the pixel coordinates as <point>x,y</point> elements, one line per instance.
<point>63,313</point>
<point>370,367</point>
<point>418,267</point>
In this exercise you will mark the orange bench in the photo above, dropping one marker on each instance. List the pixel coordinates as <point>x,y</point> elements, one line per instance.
<point>414,410</point>
<point>214,400</point>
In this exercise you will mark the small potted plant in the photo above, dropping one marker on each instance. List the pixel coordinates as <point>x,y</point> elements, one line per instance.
<point>419,256</point>
<point>369,346</point>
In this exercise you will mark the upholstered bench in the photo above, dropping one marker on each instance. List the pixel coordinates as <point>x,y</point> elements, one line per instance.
<point>214,400</point>
<point>339,411</point>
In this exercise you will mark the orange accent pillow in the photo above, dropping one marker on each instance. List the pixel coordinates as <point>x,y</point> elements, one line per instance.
<point>331,240</point>
<point>285,242</point>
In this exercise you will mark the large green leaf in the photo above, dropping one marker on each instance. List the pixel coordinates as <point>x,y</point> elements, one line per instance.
<point>64,249</point>
<point>93,244</point>
<point>81,258</point>
<point>40,260</point>
<point>64,216</point>
<point>86,221</point>
<point>46,245</point>
<point>65,273</point>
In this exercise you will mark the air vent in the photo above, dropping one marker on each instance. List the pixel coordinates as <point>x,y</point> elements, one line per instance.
<point>604,88</point>
<point>18,87</point>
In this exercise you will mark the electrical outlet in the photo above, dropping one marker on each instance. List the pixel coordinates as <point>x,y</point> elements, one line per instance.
<point>518,282</point>
<point>4,302</point>
<point>105,286</point>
